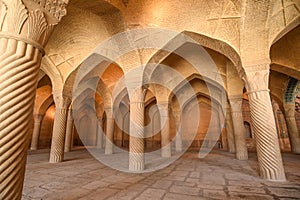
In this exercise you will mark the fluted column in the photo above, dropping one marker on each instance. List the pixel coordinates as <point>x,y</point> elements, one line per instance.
<point>36,131</point>
<point>238,127</point>
<point>110,124</point>
<point>24,31</point>
<point>165,129</point>
<point>289,113</point>
<point>178,136</point>
<point>59,127</point>
<point>100,133</point>
<point>136,141</point>
<point>69,131</point>
<point>229,130</point>
<point>256,79</point>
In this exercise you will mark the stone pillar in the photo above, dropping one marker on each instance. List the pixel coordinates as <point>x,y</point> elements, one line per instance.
<point>110,124</point>
<point>136,141</point>
<point>178,136</point>
<point>222,130</point>
<point>36,131</point>
<point>69,131</point>
<point>165,129</point>
<point>256,79</point>
<point>59,127</point>
<point>289,113</point>
<point>24,31</point>
<point>229,130</point>
<point>100,133</point>
<point>238,127</point>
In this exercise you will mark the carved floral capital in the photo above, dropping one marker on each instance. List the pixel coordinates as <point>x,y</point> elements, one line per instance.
<point>30,20</point>
<point>256,76</point>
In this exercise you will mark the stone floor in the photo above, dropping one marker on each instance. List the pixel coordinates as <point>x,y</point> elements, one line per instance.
<point>217,176</point>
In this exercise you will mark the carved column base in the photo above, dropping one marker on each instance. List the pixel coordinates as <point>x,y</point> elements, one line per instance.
<point>136,162</point>
<point>166,151</point>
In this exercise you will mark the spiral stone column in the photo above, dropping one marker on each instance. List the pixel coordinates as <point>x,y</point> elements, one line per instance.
<point>229,130</point>
<point>59,127</point>
<point>69,131</point>
<point>36,131</point>
<point>222,130</point>
<point>136,141</point>
<point>238,127</point>
<point>256,79</point>
<point>289,113</point>
<point>178,136</point>
<point>24,31</point>
<point>165,129</point>
<point>110,124</point>
<point>100,133</point>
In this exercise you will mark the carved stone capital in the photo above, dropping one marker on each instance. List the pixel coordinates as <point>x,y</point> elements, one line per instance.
<point>289,110</point>
<point>61,101</point>
<point>37,118</point>
<point>256,76</point>
<point>164,108</point>
<point>138,95</point>
<point>236,104</point>
<point>31,21</point>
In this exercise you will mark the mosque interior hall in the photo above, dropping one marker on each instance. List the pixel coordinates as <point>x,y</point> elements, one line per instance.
<point>152,99</point>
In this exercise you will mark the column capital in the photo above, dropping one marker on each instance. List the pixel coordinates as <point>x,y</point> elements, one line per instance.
<point>31,21</point>
<point>236,104</point>
<point>289,109</point>
<point>37,118</point>
<point>256,76</point>
<point>61,101</point>
<point>164,108</point>
<point>70,116</point>
<point>138,95</point>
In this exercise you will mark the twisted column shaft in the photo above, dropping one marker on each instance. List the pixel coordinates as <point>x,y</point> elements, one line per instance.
<point>69,131</point>
<point>268,152</point>
<point>238,127</point>
<point>59,129</point>
<point>99,134</point>
<point>24,30</point>
<point>165,130</point>
<point>178,136</point>
<point>222,130</point>
<point>289,112</point>
<point>19,67</point>
<point>110,124</point>
<point>36,132</point>
<point>136,141</point>
<point>229,130</point>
